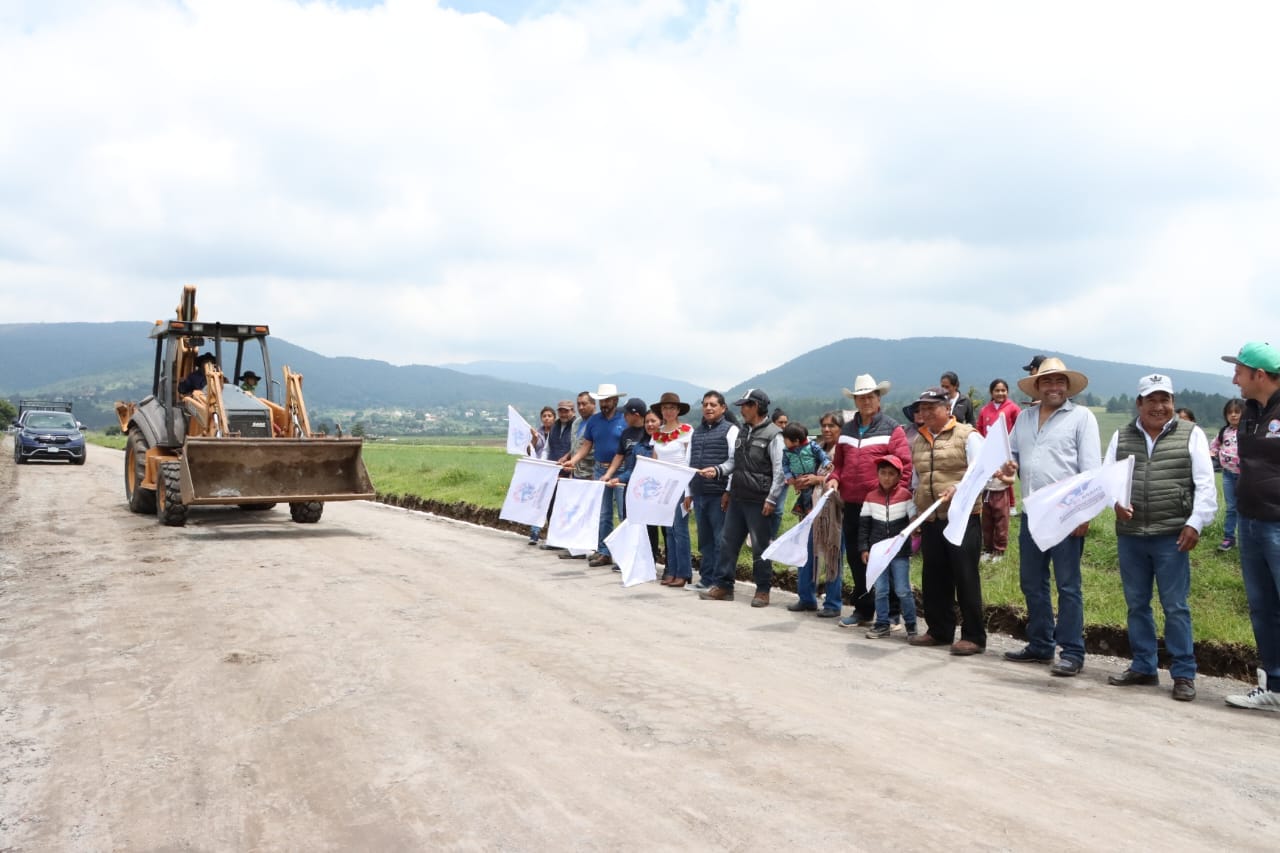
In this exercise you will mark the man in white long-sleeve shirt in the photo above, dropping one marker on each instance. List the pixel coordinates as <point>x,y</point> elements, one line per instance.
<point>1174,496</point>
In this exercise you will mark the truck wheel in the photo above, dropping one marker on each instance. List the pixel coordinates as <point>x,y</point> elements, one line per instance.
<point>135,471</point>
<point>306,512</point>
<point>80,461</point>
<point>169,506</point>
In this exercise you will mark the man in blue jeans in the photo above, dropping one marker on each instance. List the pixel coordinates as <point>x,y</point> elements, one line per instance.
<point>754,491</point>
<point>1052,440</point>
<point>712,444</point>
<point>1174,496</point>
<point>1258,506</point>
<point>601,435</point>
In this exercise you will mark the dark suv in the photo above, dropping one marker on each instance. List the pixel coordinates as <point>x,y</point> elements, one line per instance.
<point>48,435</point>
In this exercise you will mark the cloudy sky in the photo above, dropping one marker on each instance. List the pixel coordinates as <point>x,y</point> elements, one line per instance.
<point>698,188</point>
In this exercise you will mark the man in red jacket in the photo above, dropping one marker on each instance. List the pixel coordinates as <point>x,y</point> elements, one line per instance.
<point>864,440</point>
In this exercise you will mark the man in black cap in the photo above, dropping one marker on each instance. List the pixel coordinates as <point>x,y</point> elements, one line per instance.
<point>1031,367</point>
<point>754,491</point>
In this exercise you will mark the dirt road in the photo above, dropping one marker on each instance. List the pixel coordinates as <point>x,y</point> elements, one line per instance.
<point>390,681</point>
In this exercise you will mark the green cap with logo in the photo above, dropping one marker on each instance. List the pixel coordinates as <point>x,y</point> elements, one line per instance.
<point>1257,356</point>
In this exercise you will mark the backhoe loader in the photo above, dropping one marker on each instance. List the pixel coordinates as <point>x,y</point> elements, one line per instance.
<point>200,440</point>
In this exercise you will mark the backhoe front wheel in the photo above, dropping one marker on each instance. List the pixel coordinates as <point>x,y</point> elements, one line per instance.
<point>306,512</point>
<point>169,506</point>
<point>135,472</point>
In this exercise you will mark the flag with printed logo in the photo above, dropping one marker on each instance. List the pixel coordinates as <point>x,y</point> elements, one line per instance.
<point>575,520</point>
<point>529,495</point>
<point>629,546</point>
<point>995,452</point>
<point>655,489</point>
<point>519,433</point>
<point>1052,512</point>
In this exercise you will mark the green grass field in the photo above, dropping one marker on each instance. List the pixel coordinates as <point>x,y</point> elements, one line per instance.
<point>479,474</point>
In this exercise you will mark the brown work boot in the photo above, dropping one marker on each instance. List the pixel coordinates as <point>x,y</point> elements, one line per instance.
<point>760,599</point>
<point>925,639</point>
<point>716,593</point>
<point>965,647</point>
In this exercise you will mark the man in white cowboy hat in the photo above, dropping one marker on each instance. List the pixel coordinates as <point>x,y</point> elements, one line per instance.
<point>1052,440</point>
<point>866,438</point>
<point>601,435</point>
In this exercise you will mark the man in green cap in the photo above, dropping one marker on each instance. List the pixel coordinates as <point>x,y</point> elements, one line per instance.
<point>1258,504</point>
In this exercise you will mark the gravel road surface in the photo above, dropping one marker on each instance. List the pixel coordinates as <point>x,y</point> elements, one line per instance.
<point>386,680</point>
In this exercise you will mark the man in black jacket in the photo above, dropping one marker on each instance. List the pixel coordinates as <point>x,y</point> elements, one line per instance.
<point>961,406</point>
<point>1258,504</point>
<point>754,491</point>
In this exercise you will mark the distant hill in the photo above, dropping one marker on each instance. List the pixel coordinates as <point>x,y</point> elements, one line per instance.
<point>643,385</point>
<point>95,364</point>
<point>913,364</point>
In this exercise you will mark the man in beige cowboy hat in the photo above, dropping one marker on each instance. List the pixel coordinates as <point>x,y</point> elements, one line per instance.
<point>1052,440</point>
<point>601,435</point>
<point>864,440</point>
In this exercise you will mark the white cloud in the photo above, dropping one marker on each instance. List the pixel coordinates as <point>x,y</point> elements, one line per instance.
<point>731,183</point>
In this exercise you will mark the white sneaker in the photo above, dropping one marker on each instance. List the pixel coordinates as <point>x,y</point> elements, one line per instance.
<point>1259,698</point>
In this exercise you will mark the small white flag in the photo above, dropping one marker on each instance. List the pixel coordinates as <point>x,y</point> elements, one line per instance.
<point>529,495</point>
<point>995,452</point>
<point>792,547</point>
<point>629,547</point>
<point>575,519</point>
<point>883,552</point>
<point>519,433</point>
<point>1054,511</point>
<point>654,491</point>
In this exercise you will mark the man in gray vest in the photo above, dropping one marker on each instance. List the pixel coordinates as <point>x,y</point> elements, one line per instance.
<point>1174,496</point>
<point>754,491</point>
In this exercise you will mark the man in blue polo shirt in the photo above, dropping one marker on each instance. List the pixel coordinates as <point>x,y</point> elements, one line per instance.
<point>601,435</point>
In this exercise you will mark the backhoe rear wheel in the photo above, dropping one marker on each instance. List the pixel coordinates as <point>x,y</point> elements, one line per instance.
<point>306,512</point>
<point>135,471</point>
<point>169,506</point>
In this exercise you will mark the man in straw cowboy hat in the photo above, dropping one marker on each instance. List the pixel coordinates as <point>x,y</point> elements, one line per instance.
<point>1052,440</point>
<point>864,440</point>
<point>601,435</point>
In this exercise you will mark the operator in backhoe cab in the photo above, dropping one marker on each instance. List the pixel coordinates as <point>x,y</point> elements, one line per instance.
<point>195,380</point>
<point>249,382</point>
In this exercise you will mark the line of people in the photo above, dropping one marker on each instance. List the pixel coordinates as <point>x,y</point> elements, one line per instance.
<point>885,473</point>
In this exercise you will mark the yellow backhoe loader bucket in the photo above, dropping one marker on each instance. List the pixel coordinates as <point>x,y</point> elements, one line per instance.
<point>273,470</point>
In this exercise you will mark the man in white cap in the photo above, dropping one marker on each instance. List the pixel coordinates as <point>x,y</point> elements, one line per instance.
<point>1257,374</point>
<point>1174,496</point>
<point>601,435</point>
<point>1052,440</point>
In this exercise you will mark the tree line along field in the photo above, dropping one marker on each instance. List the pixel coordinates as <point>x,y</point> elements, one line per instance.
<point>479,474</point>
